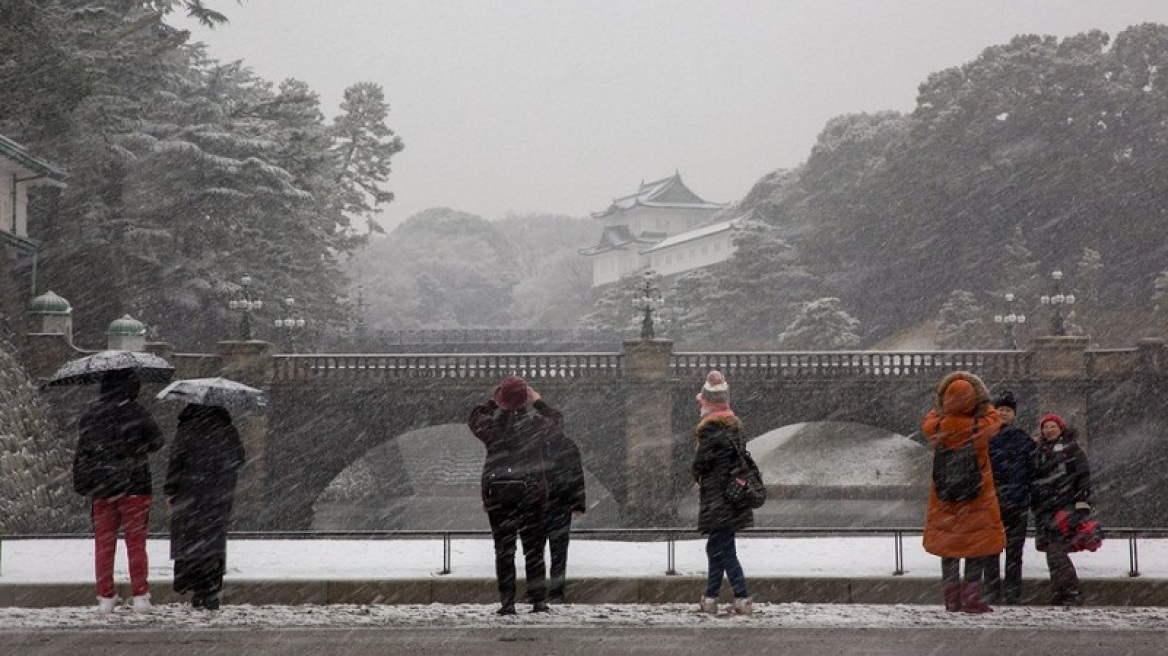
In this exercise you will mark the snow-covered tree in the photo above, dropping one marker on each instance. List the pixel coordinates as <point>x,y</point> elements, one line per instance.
<point>821,325</point>
<point>962,323</point>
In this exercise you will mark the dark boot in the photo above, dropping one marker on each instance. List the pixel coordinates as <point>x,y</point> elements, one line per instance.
<point>506,609</point>
<point>971,601</point>
<point>952,596</point>
<point>1012,593</point>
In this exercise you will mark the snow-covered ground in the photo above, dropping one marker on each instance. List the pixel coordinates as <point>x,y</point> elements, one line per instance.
<point>28,561</point>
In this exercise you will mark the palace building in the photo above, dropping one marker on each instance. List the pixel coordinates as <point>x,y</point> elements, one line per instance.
<point>662,226</point>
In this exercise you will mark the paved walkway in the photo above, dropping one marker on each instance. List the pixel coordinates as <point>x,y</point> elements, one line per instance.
<point>1139,591</point>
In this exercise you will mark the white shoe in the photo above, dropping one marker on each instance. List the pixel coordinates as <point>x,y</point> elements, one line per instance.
<point>743,606</point>
<point>105,605</point>
<point>709,605</point>
<point>142,603</point>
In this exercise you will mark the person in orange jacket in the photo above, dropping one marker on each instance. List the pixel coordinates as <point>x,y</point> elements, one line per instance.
<point>970,529</point>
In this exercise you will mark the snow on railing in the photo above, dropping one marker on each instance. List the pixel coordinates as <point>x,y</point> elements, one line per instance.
<point>533,366</point>
<point>852,364</point>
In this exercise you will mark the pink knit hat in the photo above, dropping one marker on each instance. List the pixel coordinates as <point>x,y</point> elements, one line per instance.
<point>715,394</point>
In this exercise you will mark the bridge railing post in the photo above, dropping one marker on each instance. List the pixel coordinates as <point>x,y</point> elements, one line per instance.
<point>1060,371</point>
<point>648,432</point>
<point>250,362</point>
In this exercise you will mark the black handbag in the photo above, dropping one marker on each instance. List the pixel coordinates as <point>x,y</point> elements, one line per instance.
<point>745,488</point>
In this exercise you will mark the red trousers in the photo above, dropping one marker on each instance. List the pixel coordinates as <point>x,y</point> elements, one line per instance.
<point>132,514</point>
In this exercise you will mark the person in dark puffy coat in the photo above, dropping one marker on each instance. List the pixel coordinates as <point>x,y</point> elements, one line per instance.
<point>1062,482</point>
<point>111,466</point>
<point>566,500</point>
<point>1011,457</point>
<point>718,432</point>
<point>515,426</point>
<point>205,460</point>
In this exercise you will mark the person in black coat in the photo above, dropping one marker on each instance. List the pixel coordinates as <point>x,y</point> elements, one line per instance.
<point>1011,457</point>
<point>111,466</point>
<point>718,434</point>
<point>566,499</point>
<point>200,490</point>
<point>1061,486</point>
<point>515,426</point>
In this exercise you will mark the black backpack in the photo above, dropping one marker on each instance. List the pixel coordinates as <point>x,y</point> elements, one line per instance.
<point>956,476</point>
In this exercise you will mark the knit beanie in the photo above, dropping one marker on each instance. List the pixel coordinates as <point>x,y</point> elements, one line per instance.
<point>512,393</point>
<point>715,394</point>
<point>1005,399</point>
<point>1056,419</point>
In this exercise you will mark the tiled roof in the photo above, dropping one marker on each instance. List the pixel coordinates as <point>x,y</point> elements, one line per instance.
<point>666,192</point>
<point>690,235</point>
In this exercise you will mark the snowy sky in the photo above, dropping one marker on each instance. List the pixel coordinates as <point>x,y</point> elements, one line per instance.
<point>534,106</point>
<point>46,561</point>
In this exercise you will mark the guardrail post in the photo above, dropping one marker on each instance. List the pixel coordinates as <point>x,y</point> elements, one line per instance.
<point>898,546</point>
<point>445,553</point>
<point>671,555</point>
<point>1133,555</point>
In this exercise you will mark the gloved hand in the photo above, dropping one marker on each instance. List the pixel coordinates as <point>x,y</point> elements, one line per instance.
<point>1081,513</point>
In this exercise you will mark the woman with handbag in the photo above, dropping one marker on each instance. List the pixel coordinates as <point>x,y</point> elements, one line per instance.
<point>719,436</point>
<point>963,523</point>
<point>1061,490</point>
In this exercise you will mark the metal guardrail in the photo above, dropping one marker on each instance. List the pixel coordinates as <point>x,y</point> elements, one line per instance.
<point>669,535</point>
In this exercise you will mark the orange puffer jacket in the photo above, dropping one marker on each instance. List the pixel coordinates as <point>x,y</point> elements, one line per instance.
<point>967,529</point>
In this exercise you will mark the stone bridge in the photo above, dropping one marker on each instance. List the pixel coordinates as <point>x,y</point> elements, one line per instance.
<point>633,411</point>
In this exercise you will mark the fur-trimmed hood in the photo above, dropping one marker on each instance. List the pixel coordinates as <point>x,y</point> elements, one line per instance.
<point>729,422</point>
<point>962,393</point>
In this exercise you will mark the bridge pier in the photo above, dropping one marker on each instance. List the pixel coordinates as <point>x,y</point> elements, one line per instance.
<point>648,434</point>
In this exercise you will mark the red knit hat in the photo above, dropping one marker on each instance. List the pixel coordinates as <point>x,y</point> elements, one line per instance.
<point>512,393</point>
<point>1056,419</point>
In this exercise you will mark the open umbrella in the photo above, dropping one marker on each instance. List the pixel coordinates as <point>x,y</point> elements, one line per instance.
<point>90,369</point>
<point>214,391</point>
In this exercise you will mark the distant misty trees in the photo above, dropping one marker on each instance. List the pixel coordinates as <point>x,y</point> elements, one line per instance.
<point>444,268</point>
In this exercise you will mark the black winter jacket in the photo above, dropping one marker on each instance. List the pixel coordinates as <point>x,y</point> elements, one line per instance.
<point>1012,458</point>
<point>1062,477</point>
<point>713,462</point>
<point>117,435</point>
<point>515,442</point>
<point>565,476</point>
<point>201,477</point>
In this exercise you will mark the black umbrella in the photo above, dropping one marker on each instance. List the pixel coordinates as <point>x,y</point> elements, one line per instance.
<point>149,367</point>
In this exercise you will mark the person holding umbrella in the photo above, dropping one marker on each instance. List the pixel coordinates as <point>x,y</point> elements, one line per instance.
<point>200,491</point>
<point>111,466</point>
<point>201,477</point>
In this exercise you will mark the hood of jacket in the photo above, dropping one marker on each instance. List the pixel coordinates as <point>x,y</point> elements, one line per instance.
<point>962,393</point>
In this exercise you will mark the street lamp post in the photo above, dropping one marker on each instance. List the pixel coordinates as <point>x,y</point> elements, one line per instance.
<point>291,323</point>
<point>1056,301</point>
<point>246,304</point>
<point>1008,321</point>
<point>648,300</point>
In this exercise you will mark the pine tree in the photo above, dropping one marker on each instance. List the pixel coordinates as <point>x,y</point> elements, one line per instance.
<point>821,325</point>
<point>962,323</point>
